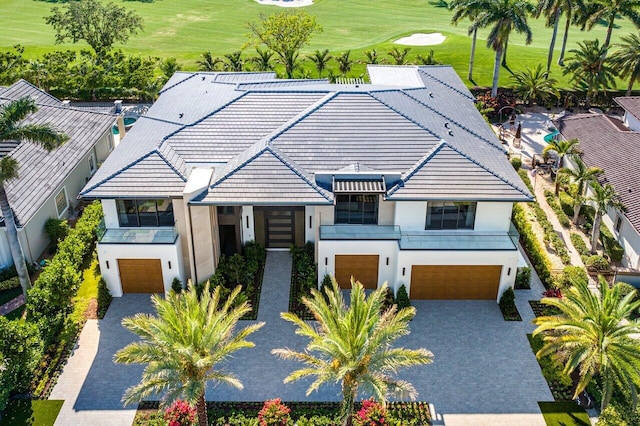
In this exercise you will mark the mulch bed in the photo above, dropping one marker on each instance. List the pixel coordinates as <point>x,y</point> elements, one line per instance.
<point>296,294</point>
<point>254,296</point>
<point>540,309</point>
<point>512,315</point>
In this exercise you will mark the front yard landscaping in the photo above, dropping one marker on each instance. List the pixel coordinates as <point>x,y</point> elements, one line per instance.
<point>32,412</point>
<point>304,277</point>
<point>564,414</point>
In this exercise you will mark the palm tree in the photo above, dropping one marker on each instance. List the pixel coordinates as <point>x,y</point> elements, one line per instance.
<point>608,11</point>
<point>184,344</point>
<point>353,345</point>
<point>534,84</point>
<point>344,62</point>
<point>399,56</point>
<point>604,197</point>
<point>503,16</point>
<point>12,128</point>
<point>562,148</point>
<point>467,9</point>
<point>582,176</point>
<point>372,57</point>
<point>208,62</point>
<point>428,59</point>
<point>262,60</point>
<point>552,11</point>
<point>626,60</point>
<point>589,68</point>
<point>233,61</point>
<point>320,60</point>
<point>594,334</point>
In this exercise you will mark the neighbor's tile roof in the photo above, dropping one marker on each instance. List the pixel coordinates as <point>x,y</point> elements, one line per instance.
<point>616,151</point>
<point>631,104</point>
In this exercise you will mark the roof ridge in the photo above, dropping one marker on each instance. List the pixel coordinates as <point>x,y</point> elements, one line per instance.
<point>164,89</point>
<point>423,71</point>
<point>120,171</point>
<point>169,163</point>
<point>417,166</point>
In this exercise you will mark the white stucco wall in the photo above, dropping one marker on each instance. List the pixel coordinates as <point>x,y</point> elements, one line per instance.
<point>628,238</point>
<point>631,122</point>
<point>110,211</point>
<point>247,225</point>
<point>490,216</point>
<point>309,223</point>
<point>411,215</point>
<point>165,252</point>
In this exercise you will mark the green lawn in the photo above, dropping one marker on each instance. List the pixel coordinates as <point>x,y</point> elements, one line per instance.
<point>564,414</point>
<point>186,28</point>
<point>31,412</point>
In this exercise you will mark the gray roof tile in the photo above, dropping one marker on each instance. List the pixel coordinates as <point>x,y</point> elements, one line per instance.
<point>631,104</point>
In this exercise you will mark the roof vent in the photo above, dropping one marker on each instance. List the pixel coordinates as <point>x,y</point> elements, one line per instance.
<point>431,94</point>
<point>450,133</point>
<point>181,115</point>
<point>203,77</point>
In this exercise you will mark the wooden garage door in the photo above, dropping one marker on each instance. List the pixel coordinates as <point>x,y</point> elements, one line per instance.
<point>447,282</point>
<point>363,267</point>
<point>141,275</point>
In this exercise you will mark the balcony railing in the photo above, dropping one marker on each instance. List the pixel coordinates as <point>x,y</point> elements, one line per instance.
<point>164,235</point>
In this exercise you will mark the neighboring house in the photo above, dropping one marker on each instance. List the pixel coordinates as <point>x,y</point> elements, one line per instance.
<point>48,183</point>
<point>401,180</point>
<point>614,145</point>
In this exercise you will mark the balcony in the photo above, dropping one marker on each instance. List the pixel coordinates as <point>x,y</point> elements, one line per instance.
<point>359,232</point>
<point>164,235</point>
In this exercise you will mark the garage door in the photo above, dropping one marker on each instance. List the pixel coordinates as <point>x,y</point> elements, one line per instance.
<point>141,275</point>
<point>364,268</point>
<point>455,282</point>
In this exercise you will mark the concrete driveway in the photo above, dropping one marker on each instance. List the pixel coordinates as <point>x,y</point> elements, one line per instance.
<point>483,372</point>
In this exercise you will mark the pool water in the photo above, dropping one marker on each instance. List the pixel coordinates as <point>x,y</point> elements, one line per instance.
<point>128,122</point>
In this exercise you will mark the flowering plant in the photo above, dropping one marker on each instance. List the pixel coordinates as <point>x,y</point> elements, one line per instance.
<point>180,413</point>
<point>371,414</point>
<point>274,413</point>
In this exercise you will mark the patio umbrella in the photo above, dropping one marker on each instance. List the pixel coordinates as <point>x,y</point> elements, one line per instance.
<point>519,131</point>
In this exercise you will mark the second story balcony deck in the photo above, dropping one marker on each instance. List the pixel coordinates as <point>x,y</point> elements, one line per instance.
<point>160,235</point>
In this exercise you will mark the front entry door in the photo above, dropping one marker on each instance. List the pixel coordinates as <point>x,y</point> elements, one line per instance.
<point>279,224</point>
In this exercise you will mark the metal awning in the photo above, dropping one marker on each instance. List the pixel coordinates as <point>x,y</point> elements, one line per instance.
<point>354,186</point>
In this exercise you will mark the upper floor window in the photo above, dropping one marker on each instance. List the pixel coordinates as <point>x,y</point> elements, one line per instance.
<point>450,215</point>
<point>359,209</point>
<point>145,213</point>
<point>92,163</point>
<point>618,223</point>
<point>61,201</point>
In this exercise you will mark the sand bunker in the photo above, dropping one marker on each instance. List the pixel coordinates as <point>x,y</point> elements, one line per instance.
<point>286,3</point>
<point>421,39</point>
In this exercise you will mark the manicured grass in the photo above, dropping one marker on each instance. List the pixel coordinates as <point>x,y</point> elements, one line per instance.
<point>32,412</point>
<point>186,28</point>
<point>7,295</point>
<point>564,414</point>
<point>90,277</point>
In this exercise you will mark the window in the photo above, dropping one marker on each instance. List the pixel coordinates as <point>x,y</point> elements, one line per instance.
<point>61,201</point>
<point>618,223</point>
<point>145,213</point>
<point>92,163</point>
<point>357,209</point>
<point>450,215</point>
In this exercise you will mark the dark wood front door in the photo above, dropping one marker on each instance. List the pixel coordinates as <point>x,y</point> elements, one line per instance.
<point>279,225</point>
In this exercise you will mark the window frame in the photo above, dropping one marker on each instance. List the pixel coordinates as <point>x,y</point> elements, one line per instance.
<point>359,211</point>
<point>93,164</point>
<point>618,223</point>
<point>62,191</point>
<point>137,204</point>
<point>472,209</point>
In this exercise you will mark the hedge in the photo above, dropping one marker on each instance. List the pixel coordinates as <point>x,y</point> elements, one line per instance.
<point>566,203</point>
<point>610,245</point>
<point>581,246</point>
<point>555,206</point>
<point>536,253</point>
<point>10,283</point>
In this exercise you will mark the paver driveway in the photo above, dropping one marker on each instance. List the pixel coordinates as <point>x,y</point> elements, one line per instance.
<point>483,373</point>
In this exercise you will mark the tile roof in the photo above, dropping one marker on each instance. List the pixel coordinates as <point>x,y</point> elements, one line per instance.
<point>631,104</point>
<point>616,151</point>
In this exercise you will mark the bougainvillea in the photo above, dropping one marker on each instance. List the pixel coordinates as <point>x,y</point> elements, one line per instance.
<point>371,414</point>
<point>180,413</point>
<point>274,413</point>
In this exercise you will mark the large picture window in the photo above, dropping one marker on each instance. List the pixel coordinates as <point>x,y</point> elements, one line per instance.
<point>359,209</point>
<point>450,215</point>
<point>145,213</point>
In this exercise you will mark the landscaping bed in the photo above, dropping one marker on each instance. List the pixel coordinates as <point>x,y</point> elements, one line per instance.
<point>304,277</point>
<point>540,309</point>
<point>560,384</point>
<point>564,413</point>
<point>34,412</point>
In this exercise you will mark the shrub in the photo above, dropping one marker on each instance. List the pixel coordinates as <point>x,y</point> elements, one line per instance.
<point>555,206</point>
<point>388,301</point>
<point>552,292</point>
<point>180,413</point>
<point>550,235</point>
<point>371,414</point>
<point>537,254</point>
<point>508,300</point>
<point>516,163</point>
<point>274,413</point>
<point>581,246</point>
<point>104,297</point>
<point>571,275</point>
<point>10,283</point>
<point>8,273</point>
<point>56,230</point>
<point>523,278</point>
<point>626,289</point>
<point>176,285</point>
<point>618,414</point>
<point>597,263</point>
<point>612,248</point>
<point>525,178</point>
<point>566,203</point>
<point>402,298</point>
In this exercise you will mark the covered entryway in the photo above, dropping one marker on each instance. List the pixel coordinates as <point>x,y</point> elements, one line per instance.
<point>455,282</point>
<point>141,275</point>
<point>363,267</point>
<point>279,227</point>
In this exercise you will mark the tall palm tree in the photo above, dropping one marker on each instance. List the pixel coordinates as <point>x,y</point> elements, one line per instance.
<point>534,84</point>
<point>503,16</point>
<point>604,197</point>
<point>607,11</point>
<point>372,57</point>
<point>570,7</point>
<point>262,60</point>
<point>467,9</point>
<point>399,56</point>
<point>233,61</point>
<point>594,334</point>
<point>184,345</point>
<point>562,148</point>
<point>353,345</point>
<point>626,60</point>
<point>208,62</point>
<point>12,128</point>
<point>589,68</point>
<point>320,60</point>
<point>344,62</point>
<point>581,176</point>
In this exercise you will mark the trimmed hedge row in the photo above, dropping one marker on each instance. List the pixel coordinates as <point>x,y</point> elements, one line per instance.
<point>580,245</point>
<point>610,245</point>
<point>9,284</point>
<point>536,253</point>
<point>557,209</point>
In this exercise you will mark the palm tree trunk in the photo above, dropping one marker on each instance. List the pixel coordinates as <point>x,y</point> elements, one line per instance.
<point>552,45</point>
<point>348,401</point>
<point>595,232</point>
<point>473,53</point>
<point>504,55</point>
<point>201,409</point>
<point>496,72</point>
<point>564,40</point>
<point>577,205</point>
<point>14,243</point>
<point>609,31</point>
<point>630,85</point>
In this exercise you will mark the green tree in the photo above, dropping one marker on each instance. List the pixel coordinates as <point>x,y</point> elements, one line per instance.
<point>169,67</point>
<point>14,128</point>
<point>285,33</point>
<point>184,344</point>
<point>353,345</point>
<point>320,59</point>
<point>534,84</point>
<point>399,56</point>
<point>233,61</point>
<point>571,9</point>
<point>562,148</point>
<point>208,63</point>
<point>589,68</point>
<point>344,62</point>
<point>11,63</point>
<point>100,25</point>
<point>626,60</point>
<point>598,11</point>
<point>467,9</point>
<point>594,334</point>
<point>262,60</point>
<point>372,57</point>
<point>604,197</point>
<point>581,176</point>
<point>552,10</point>
<point>503,16</point>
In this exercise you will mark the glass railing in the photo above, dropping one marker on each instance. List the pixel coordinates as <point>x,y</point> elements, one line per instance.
<point>359,232</point>
<point>164,235</point>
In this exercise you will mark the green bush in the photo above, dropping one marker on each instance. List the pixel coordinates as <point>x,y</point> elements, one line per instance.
<point>537,254</point>
<point>402,298</point>
<point>618,414</point>
<point>176,285</point>
<point>572,275</point>
<point>104,297</point>
<point>611,247</point>
<point>508,301</point>
<point>597,262</point>
<point>525,178</point>
<point>516,163</point>
<point>8,273</point>
<point>555,206</point>
<point>56,230</point>
<point>566,203</point>
<point>388,301</point>
<point>550,235</point>
<point>626,289</point>
<point>523,278</point>
<point>581,246</point>
<point>10,283</point>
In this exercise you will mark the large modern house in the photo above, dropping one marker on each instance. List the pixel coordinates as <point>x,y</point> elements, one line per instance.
<point>399,181</point>
<point>48,183</point>
<point>613,145</point>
